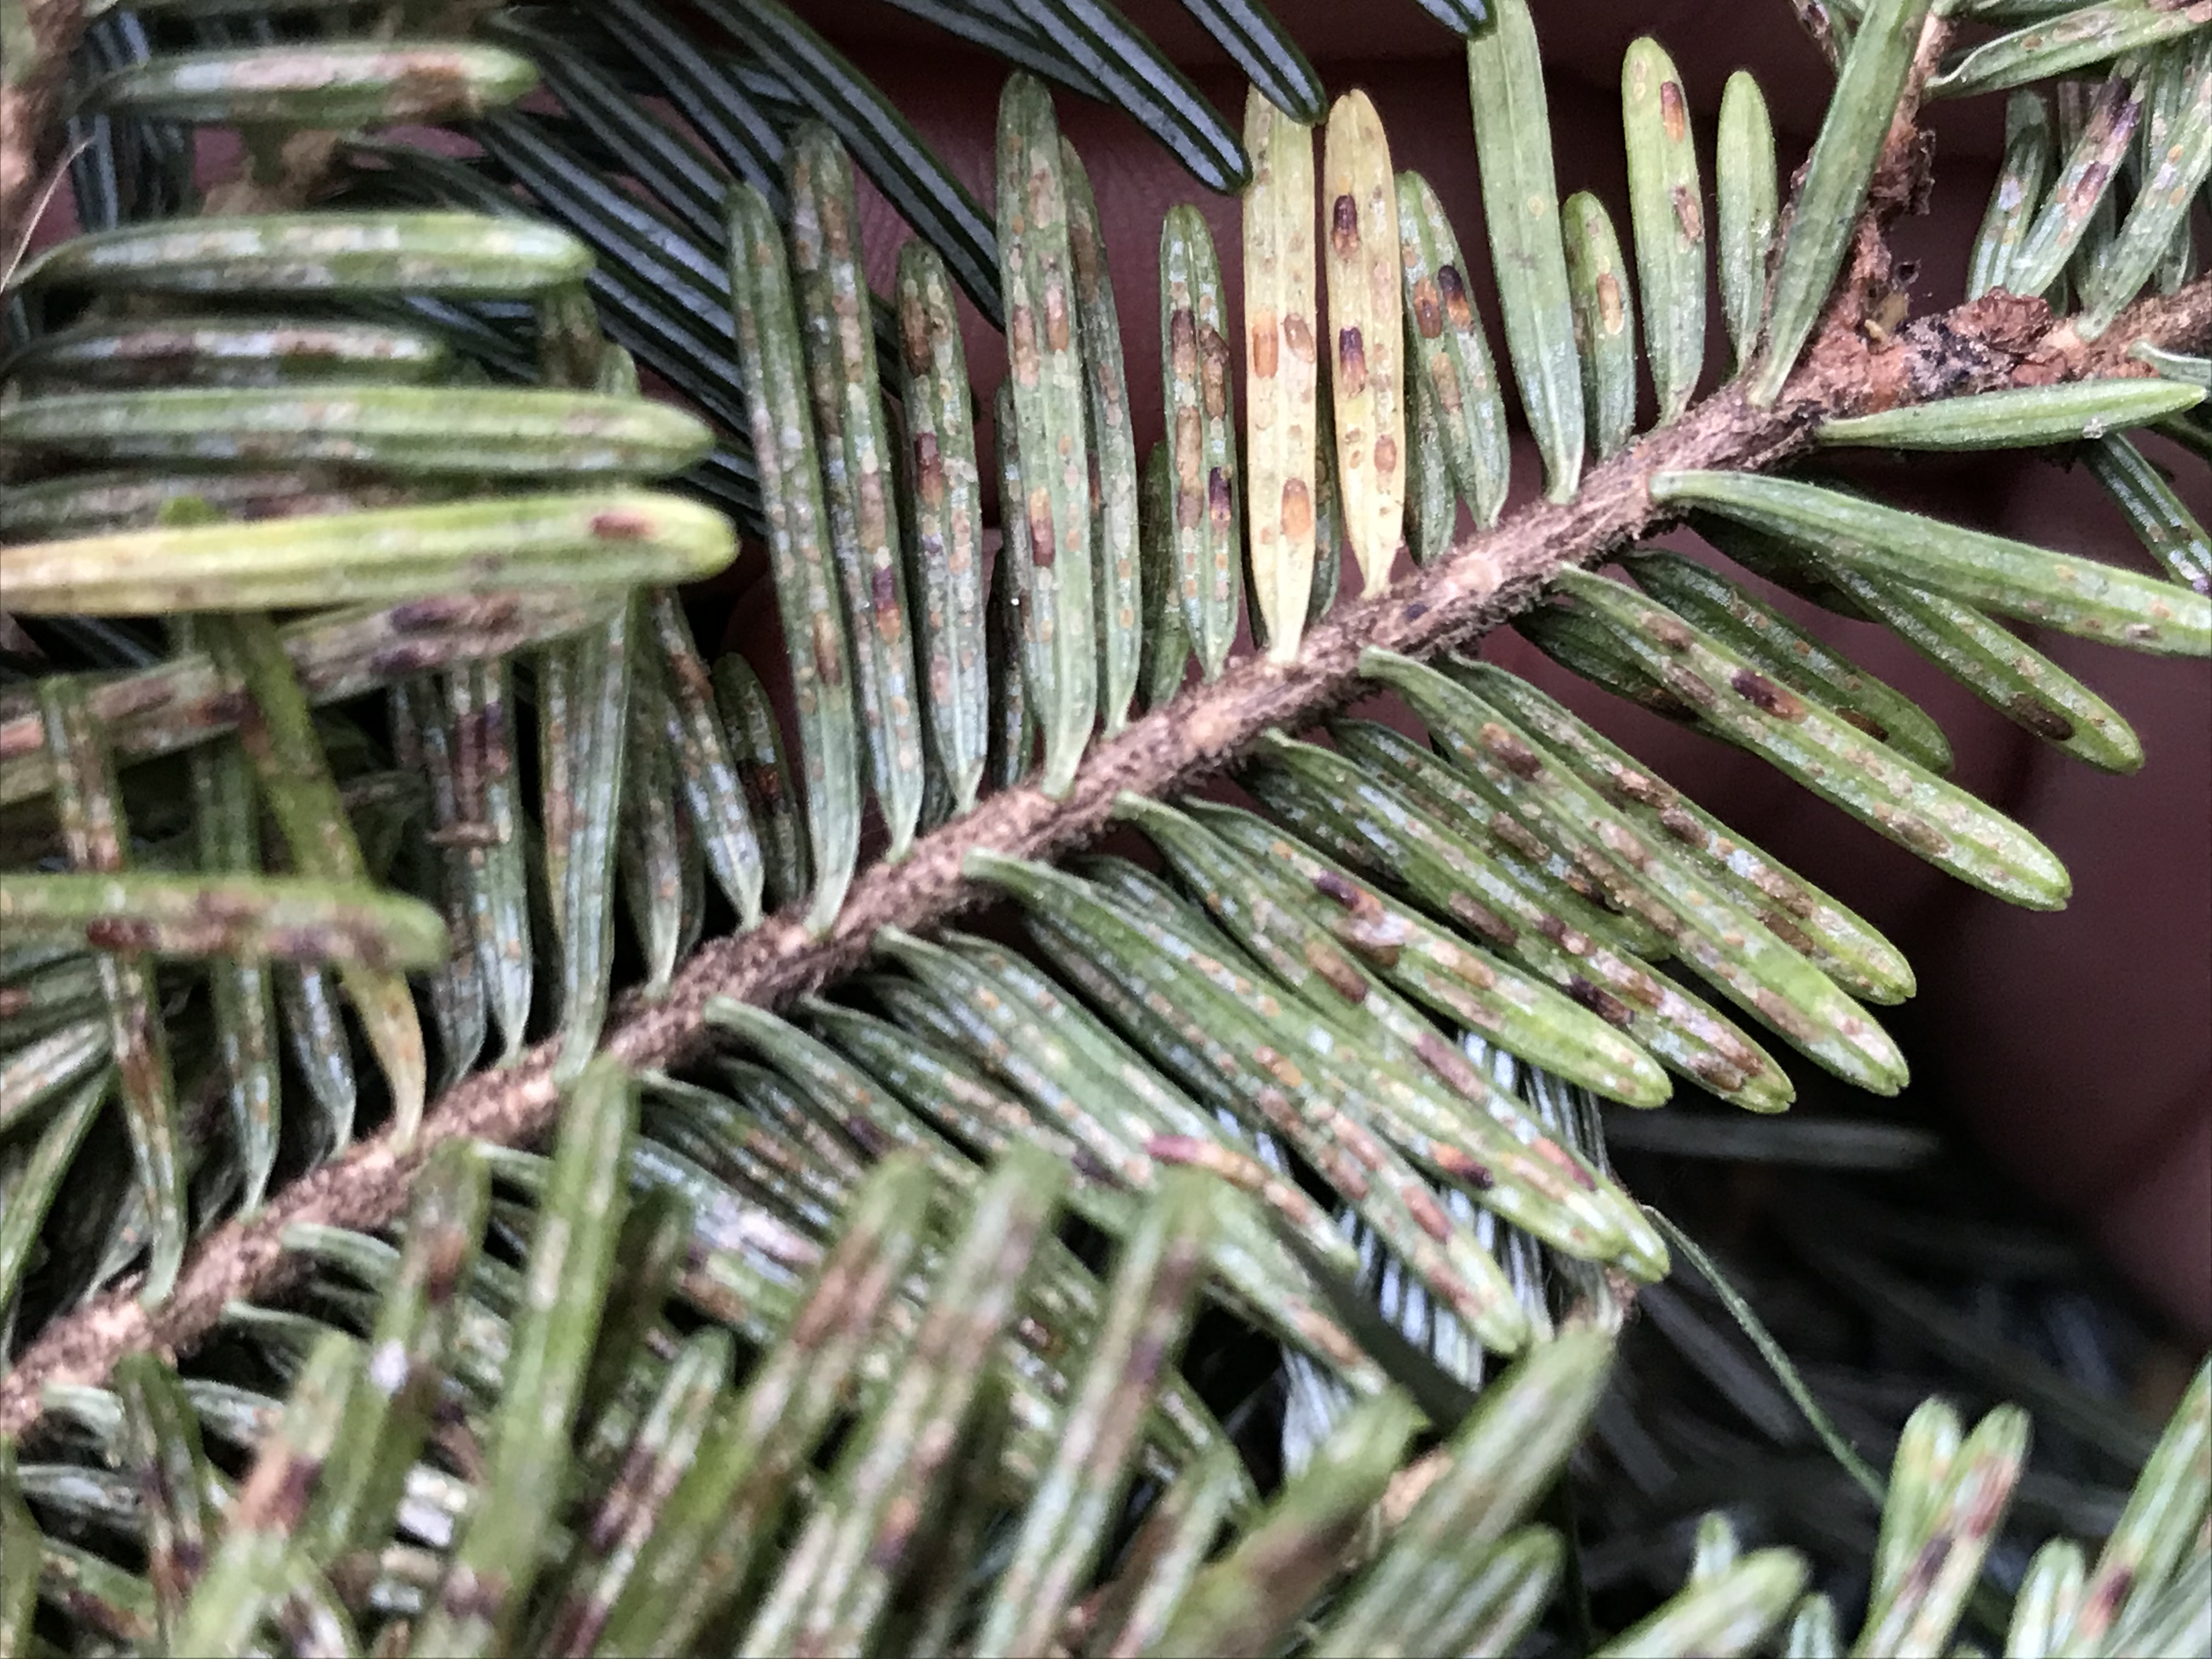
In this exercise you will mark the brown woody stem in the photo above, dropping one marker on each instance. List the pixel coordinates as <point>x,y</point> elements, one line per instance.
<point>1995,342</point>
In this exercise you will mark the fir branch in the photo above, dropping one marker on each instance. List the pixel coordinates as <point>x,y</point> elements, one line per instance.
<point>1987,344</point>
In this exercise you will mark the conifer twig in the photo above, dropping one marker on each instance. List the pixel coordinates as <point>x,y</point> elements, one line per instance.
<point>1995,342</point>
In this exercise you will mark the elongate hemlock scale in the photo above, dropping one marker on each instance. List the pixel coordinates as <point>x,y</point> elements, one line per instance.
<point>479,1603</point>
<point>1236,1604</point>
<point>423,744</point>
<point>1913,807</point>
<point>241,993</point>
<point>296,782</point>
<point>227,351</point>
<point>393,554</point>
<point>854,440</point>
<point>1207,990</point>
<point>1448,348</point>
<point>805,587</point>
<point>706,768</point>
<point>2091,34</point>
<point>1431,511</point>
<point>1998,666</point>
<point>1605,322</point>
<point>1280,372</point>
<point>2160,519</point>
<point>1840,944</point>
<point>1018,669</point>
<point>481,702</point>
<point>657,845</point>
<point>1201,440</point>
<point>946,520</point>
<point>1526,1420</point>
<point>1797,657</point>
<point>1045,370</point>
<point>1667,214</point>
<point>757,746</point>
<point>1703,925</point>
<point>449,255</point>
<point>1436,966</point>
<point>2017,195</point>
<point>398,430</point>
<point>585,754</point>
<point>1167,641</point>
<point>2177,157</point>
<point>1162,1264</point>
<point>1360,208</point>
<point>1383,833</point>
<point>88,802</point>
<point>1116,601</point>
<point>2094,132</point>
<point>1271,922</point>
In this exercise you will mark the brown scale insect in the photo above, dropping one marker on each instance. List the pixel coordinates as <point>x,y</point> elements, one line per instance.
<point>855,442</point>
<point>943,550</point>
<point>1051,449</point>
<point>1195,370</point>
<point>1364,312</point>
